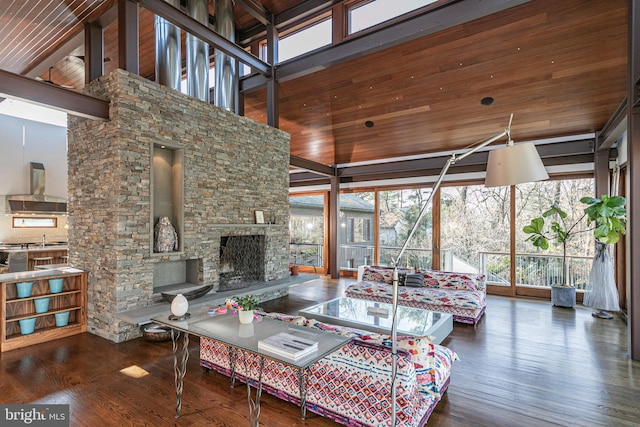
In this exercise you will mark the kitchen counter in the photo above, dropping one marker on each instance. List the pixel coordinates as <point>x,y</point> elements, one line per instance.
<point>57,252</point>
<point>33,248</point>
<point>37,274</point>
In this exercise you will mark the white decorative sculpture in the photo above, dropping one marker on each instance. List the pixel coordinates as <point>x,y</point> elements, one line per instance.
<point>166,238</point>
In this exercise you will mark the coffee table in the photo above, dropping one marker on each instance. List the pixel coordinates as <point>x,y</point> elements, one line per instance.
<point>377,317</point>
<point>227,329</point>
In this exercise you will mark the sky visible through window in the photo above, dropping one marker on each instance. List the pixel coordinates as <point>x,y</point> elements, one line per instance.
<point>379,11</point>
<point>310,38</point>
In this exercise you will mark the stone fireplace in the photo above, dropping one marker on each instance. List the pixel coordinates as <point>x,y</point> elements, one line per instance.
<point>221,169</point>
<point>241,261</point>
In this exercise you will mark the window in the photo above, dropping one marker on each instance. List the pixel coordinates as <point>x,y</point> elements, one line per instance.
<point>377,11</point>
<point>306,230</point>
<point>305,40</point>
<point>474,230</point>
<point>543,268</point>
<point>31,222</point>
<point>399,210</point>
<point>357,211</point>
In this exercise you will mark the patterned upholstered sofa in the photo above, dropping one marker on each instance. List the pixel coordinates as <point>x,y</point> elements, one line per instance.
<point>352,385</point>
<point>464,295</point>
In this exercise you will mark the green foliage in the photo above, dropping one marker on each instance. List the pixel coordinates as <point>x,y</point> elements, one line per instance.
<point>245,302</point>
<point>608,214</point>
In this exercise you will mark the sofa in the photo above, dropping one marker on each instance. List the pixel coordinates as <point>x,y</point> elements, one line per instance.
<point>352,385</point>
<point>463,295</point>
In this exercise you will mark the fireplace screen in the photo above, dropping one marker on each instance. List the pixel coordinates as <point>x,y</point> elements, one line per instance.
<point>242,260</point>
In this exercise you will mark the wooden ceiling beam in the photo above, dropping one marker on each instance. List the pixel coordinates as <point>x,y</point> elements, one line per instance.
<point>255,9</point>
<point>48,95</point>
<point>312,166</point>
<point>559,153</point>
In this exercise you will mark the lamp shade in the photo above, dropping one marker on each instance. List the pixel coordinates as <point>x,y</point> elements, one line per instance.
<point>514,164</point>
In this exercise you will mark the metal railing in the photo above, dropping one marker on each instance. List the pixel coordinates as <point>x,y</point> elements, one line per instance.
<point>535,270</point>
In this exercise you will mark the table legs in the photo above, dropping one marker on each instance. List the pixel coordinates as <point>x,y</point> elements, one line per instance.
<point>302,383</point>
<point>254,404</point>
<point>179,367</point>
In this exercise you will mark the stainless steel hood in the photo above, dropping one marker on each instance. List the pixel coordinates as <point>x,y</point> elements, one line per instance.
<point>37,201</point>
<point>29,203</point>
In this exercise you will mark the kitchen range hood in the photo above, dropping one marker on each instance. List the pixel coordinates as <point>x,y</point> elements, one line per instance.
<point>37,201</point>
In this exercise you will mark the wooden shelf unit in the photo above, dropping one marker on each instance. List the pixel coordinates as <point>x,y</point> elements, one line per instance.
<point>73,298</point>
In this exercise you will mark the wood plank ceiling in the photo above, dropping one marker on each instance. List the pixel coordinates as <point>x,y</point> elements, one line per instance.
<point>559,66</point>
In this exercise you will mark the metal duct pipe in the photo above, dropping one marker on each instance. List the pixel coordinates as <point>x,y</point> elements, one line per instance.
<point>168,57</point>
<point>225,86</point>
<point>198,53</point>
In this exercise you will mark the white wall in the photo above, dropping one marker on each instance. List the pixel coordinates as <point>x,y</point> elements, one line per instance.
<point>43,143</point>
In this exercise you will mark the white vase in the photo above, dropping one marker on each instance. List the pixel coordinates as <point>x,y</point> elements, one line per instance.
<point>179,305</point>
<point>245,316</point>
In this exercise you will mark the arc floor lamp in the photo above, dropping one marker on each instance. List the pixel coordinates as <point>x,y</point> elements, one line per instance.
<point>509,165</point>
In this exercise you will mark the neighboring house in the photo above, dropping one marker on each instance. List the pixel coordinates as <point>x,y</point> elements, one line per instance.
<point>356,234</point>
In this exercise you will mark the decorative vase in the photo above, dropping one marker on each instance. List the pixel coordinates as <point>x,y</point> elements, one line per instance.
<point>55,285</point>
<point>42,304</point>
<point>62,319</point>
<point>179,306</point>
<point>245,316</point>
<point>27,326</point>
<point>295,269</point>
<point>24,289</point>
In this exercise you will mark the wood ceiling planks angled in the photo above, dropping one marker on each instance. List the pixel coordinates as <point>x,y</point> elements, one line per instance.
<point>560,67</point>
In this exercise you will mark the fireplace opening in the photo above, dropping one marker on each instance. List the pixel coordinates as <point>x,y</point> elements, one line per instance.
<point>242,260</point>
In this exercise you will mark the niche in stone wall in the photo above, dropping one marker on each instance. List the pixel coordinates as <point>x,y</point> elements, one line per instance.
<point>167,194</point>
<point>183,272</point>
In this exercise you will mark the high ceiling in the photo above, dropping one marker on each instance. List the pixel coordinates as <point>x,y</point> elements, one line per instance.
<point>559,66</point>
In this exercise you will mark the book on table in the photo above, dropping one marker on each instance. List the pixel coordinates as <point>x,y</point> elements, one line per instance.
<point>288,345</point>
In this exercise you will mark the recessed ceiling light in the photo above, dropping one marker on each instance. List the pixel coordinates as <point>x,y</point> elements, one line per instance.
<point>487,100</point>
<point>369,124</point>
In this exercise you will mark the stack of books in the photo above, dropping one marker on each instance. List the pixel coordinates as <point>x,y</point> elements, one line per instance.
<point>288,345</point>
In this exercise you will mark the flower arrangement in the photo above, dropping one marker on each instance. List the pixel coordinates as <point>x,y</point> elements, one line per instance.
<point>245,302</point>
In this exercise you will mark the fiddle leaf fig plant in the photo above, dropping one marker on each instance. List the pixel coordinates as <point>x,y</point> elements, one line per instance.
<point>607,214</point>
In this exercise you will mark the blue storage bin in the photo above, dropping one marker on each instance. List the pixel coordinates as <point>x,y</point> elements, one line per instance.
<point>27,326</point>
<point>42,305</point>
<point>62,319</point>
<point>24,289</point>
<point>55,285</point>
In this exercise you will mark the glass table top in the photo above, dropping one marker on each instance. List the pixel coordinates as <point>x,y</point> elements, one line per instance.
<point>226,328</point>
<point>376,316</point>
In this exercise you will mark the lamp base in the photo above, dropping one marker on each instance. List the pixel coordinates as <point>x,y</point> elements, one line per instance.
<point>602,315</point>
<point>179,318</point>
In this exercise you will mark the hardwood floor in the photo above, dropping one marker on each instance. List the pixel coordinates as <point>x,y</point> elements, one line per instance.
<point>525,364</point>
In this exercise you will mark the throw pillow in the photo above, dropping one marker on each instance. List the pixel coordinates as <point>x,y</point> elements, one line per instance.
<point>414,280</point>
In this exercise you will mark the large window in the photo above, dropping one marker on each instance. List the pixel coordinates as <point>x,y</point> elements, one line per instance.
<point>538,268</point>
<point>399,210</point>
<point>305,40</point>
<point>377,11</point>
<point>475,223</point>
<point>306,230</point>
<point>357,213</point>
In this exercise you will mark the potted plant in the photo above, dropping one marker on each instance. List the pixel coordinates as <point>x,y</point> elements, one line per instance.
<point>607,213</point>
<point>244,307</point>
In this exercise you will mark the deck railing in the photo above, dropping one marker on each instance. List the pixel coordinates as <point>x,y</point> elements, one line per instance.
<point>535,270</point>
